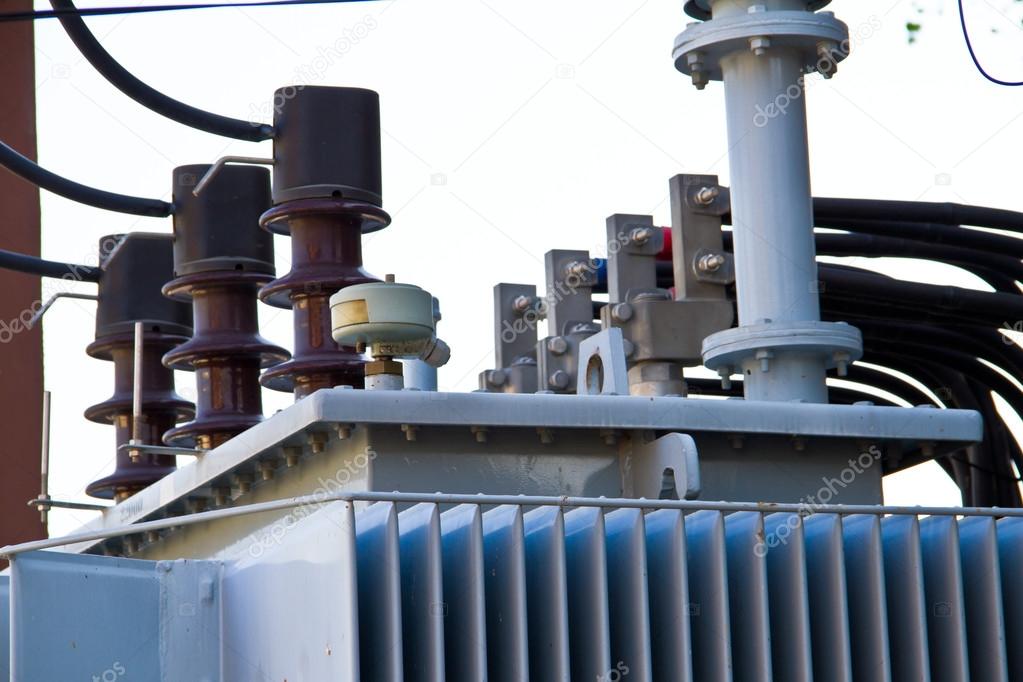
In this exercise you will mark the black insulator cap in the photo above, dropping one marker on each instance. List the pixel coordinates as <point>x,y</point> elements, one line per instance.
<point>326,144</point>
<point>135,268</point>
<point>219,229</point>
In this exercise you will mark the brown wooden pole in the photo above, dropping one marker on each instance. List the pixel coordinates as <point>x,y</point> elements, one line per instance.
<point>21,351</point>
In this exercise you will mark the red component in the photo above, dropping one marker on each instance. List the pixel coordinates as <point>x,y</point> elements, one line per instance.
<point>226,352</point>
<point>326,256</point>
<point>665,252</point>
<point>162,408</point>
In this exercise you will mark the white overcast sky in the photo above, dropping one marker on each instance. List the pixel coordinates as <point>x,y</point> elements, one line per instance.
<point>511,127</point>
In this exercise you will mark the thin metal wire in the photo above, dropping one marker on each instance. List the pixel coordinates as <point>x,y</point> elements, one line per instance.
<point>496,500</point>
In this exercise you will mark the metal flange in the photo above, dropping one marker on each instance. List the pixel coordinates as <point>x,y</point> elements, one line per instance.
<point>700,9</point>
<point>839,344</point>
<point>817,37</point>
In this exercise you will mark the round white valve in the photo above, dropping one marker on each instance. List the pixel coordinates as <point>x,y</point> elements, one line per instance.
<point>381,312</point>
<point>394,320</point>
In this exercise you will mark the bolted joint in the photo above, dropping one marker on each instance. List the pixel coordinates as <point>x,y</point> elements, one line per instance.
<point>711,262</point>
<point>696,69</point>
<point>523,304</point>
<point>559,380</point>
<point>622,312</point>
<point>557,345</point>
<point>641,235</point>
<point>705,196</point>
<point>496,377</point>
<point>827,58</point>
<point>759,45</point>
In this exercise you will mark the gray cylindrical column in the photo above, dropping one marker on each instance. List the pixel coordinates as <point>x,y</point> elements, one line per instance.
<point>760,49</point>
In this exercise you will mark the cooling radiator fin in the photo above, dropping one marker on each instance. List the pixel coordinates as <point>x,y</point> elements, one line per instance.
<point>591,594</point>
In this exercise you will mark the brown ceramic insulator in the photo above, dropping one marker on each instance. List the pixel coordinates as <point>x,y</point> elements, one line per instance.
<point>162,408</point>
<point>225,351</point>
<point>326,256</point>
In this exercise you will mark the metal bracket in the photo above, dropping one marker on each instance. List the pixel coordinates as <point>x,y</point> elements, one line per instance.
<point>161,450</point>
<point>34,320</point>
<point>602,368</point>
<point>666,468</point>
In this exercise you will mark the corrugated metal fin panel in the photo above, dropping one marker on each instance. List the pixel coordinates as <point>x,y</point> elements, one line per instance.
<point>828,597</point>
<point>708,594</point>
<point>504,560</point>
<point>668,589</point>
<point>610,595</point>
<point>789,603</point>
<point>465,635</point>
<point>1010,557</point>
<point>865,580</point>
<point>586,561</point>
<point>378,569</point>
<point>747,596</point>
<point>617,594</point>
<point>546,594</point>
<point>422,593</point>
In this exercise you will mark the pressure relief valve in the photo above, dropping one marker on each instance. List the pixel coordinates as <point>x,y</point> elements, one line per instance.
<point>392,320</point>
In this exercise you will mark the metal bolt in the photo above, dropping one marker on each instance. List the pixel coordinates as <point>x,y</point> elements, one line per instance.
<point>522,304</point>
<point>559,379</point>
<point>842,363</point>
<point>496,377</point>
<point>267,468</point>
<point>610,436</point>
<point>711,262</point>
<point>726,377</point>
<point>360,346</point>
<point>765,359</point>
<point>546,435</point>
<point>629,347</point>
<point>152,536</point>
<point>389,279</point>
<point>480,432</point>
<point>244,482</point>
<point>410,431</point>
<point>641,235</point>
<point>344,431</point>
<point>622,312</point>
<point>317,442</point>
<point>759,45</point>
<point>221,495</point>
<point>578,268</point>
<point>292,454</point>
<point>706,195</point>
<point>695,62</point>
<point>827,62</point>
<point>557,345</point>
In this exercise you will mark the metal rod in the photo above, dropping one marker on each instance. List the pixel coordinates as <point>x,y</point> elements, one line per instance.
<point>162,450</point>
<point>497,500</point>
<point>44,469</point>
<point>34,320</point>
<point>47,503</point>
<point>136,399</point>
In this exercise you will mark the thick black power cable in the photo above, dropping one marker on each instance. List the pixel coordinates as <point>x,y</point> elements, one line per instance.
<point>69,189</point>
<point>148,96</point>
<point>33,15</point>
<point>19,262</point>
<point>973,54</point>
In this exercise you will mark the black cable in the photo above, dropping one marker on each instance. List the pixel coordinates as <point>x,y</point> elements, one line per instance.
<point>69,189</point>
<point>33,15</point>
<point>933,233</point>
<point>826,209</point>
<point>973,55</point>
<point>32,265</point>
<point>147,96</point>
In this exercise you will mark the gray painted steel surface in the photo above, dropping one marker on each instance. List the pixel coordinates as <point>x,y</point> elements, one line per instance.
<point>597,593</point>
